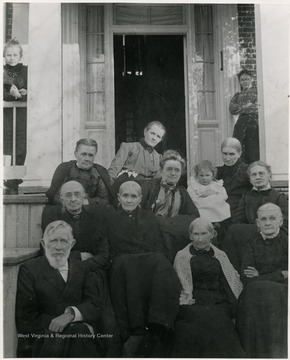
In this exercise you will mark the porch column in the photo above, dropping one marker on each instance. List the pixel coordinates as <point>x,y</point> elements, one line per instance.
<point>72,94</point>
<point>44,105</point>
<point>272,38</point>
<point>229,65</point>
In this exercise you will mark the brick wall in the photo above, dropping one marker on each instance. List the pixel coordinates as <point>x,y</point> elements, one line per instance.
<point>9,14</point>
<point>247,36</point>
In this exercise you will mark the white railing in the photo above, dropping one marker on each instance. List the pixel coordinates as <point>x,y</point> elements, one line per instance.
<point>14,105</point>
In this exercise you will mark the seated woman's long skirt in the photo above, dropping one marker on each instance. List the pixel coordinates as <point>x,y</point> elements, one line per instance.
<point>145,290</point>
<point>262,319</point>
<point>205,332</point>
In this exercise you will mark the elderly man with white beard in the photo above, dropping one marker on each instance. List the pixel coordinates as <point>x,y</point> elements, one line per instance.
<point>58,301</point>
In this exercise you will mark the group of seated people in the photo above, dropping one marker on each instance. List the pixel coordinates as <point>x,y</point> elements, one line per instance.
<point>135,265</point>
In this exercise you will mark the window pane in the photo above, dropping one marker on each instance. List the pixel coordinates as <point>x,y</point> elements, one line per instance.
<point>95,77</point>
<point>95,19</point>
<point>96,107</point>
<point>204,47</point>
<point>95,48</point>
<point>205,61</point>
<point>203,18</point>
<point>206,104</point>
<point>205,76</point>
<point>127,14</point>
<point>148,15</point>
<point>166,15</point>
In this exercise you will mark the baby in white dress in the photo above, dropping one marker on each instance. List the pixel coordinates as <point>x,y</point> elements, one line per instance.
<point>208,194</point>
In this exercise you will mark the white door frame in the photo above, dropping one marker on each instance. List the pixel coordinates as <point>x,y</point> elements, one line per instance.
<point>110,31</point>
<point>225,85</point>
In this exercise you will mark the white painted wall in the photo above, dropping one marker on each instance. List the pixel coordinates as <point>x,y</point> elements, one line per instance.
<point>45,147</point>
<point>44,105</point>
<point>272,39</point>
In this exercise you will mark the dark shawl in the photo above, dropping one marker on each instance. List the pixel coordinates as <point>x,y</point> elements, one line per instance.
<point>150,191</point>
<point>134,233</point>
<point>246,212</point>
<point>236,182</point>
<point>63,170</point>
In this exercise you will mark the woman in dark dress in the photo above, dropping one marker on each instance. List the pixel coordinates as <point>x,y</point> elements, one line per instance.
<point>233,172</point>
<point>164,196</point>
<point>262,310</point>
<point>170,202</point>
<point>244,225</point>
<point>138,161</point>
<point>144,286</point>
<point>94,177</point>
<point>210,288</point>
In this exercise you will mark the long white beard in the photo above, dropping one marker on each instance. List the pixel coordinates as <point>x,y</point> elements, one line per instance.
<point>56,263</point>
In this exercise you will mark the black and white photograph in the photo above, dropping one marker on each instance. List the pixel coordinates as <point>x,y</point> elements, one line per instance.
<point>144,175</point>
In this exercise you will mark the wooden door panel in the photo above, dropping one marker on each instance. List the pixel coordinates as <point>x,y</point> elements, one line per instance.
<point>208,139</point>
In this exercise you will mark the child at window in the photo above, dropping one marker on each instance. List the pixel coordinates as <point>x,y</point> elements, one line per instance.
<point>208,194</point>
<point>15,89</point>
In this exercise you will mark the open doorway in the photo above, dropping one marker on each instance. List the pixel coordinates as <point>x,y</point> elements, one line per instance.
<point>149,85</point>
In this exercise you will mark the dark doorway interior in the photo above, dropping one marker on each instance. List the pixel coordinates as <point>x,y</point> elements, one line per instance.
<point>149,85</point>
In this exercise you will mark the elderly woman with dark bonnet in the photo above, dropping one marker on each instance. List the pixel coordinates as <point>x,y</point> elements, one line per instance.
<point>138,161</point>
<point>210,288</point>
<point>144,286</point>
<point>170,202</point>
<point>262,310</point>
<point>93,177</point>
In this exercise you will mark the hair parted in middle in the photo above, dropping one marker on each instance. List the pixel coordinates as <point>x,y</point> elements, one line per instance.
<point>201,221</point>
<point>157,123</point>
<point>259,163</point>
<point>270,206</point>
<point>232,142</point>
<point>53,226</point>
<point>132,185</point>
<point>87,142</point>
<point>172,155</point>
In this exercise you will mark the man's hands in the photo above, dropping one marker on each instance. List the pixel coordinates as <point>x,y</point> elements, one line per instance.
<point>59,323</point>
<point>86,256</point>
<point>251,272</point>
<point>285,274</point>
